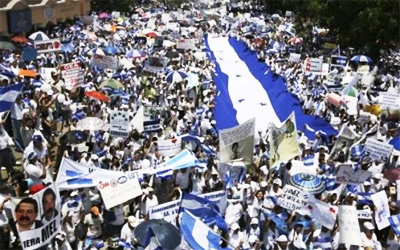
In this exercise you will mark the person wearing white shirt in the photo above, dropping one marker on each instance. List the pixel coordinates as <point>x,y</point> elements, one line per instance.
<point>368,237</point>
<point>149,200</point>
<point>5,208</point>
<point>237,239</point>
<point>7,158</point>
<point>234,211</point>
<point>35,170</point>
<point>16,119</point>
<point>127,231</point>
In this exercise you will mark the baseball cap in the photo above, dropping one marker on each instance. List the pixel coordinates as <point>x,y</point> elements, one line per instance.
<point>133,222</point>
<point>95,210</point>
<point>282,238</point>
<point>254,221</point>
<point>36,188</point>
<point>37,138</point>
<point>73,193</point>
<point>94,157</point>
<point>277,181</point>
<point>368,225</point>
<point>235,226</point>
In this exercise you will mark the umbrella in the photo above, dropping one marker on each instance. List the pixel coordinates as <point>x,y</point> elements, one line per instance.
<point>110,50</point>
<point>172,54</point>
<point>361,58</point>
<point>97,95</point>
<point>134,53</point>
<point>296,40</point>
<point>73,137</point>
<point>19,39</point>
<point>167,234</point>
<point>96,51</point>
<point>152,34</point>
<point>176,76</point>
<point>392,174</point>
<point>308,183</point>
<point>39,36</point>
<point>104,15</point>
<point>112,84</point>
<point>92,124</point>
<point>7,46</point>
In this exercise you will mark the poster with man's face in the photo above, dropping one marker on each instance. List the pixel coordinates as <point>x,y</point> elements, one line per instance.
<point>37,218</point>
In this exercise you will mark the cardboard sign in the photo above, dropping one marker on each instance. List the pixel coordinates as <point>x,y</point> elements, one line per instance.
<point>47,218</point>
<point>156,64</point>
<point>186,44</point>
<point>119,190</point>
<point>364,214</point>
<point>389,100</point>
<point>169,147</point>
<point>106,62</point>
<point>382,212</point>
<point>27,73</point>
<point>292,198</point>
<point>349,226</point>
<point>119,123</point>
<point>47,45</point>
<point>313,65</point>
<point>346,175</point>
<point>378,150</point>
<point>293,57</point>
<point>73,75</point>
<point>322,212</point>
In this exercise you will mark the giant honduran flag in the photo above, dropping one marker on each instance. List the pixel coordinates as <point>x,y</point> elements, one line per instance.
<point>246,88</point>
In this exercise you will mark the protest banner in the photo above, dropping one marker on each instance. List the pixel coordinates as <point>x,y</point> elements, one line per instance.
<point>27,73</point>
<point>389,100</point>
<point>363,69</point>
<point>337,62</point>
<point>382,212</point>
<point>293,57</point>
<point>119,190</point>
<point>73,75</point>
<point>283,141</point>
<point>378,150</point>
<point>106,62</point>
<point>237,143</point>
<point>37,217</point>
<point>313,65</point>
<point>156,64</point>
<point>186,44</point>
<point>292,198</point>
<point>347,175</point>
<point>151,119</point>
<point>349,227</point>
<point>45,73</point>
<point>169,147</point>
<point>322,212</point>
<point>119,123</point>
<point>44,46</point>
<point>364,214</point>
<point>345,139</point>
<point>168,211</point>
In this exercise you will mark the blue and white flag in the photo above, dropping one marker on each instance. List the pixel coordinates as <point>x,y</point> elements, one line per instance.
<point>322,243</point>
<point>395,223</point>
<point>364,198</point>
<point>263,93</point>
<point>8,95</point>
<point>151,242</point>
<point>228,180</point>
<point>197,234</point>
<point>205,209</point>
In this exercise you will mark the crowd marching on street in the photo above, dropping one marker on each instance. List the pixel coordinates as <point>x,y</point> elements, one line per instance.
<point>197,128</point>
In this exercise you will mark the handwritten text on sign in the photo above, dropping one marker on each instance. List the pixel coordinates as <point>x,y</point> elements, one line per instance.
<point>377,149</point>
<point>238,133</point>
<point>292,198</point>
<point>73,75</point>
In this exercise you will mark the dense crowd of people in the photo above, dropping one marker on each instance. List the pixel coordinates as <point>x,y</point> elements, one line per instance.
<point>48,108</point>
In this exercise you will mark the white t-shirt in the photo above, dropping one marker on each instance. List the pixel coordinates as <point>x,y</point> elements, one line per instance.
<point>233,213</point>
<point>94,225</point>
<point>127,234</point>
<point>34,171</point>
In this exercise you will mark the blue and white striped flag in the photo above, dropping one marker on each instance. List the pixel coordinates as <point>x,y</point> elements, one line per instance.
<point>330,183</point>
<point>322,243</point>
<point>308,160</point>
<point>228,180</point>
<point>357,151</point>
<point>8,95</point>
<point>364,198</point>
<point>197,234</point>
<point>395,223</point>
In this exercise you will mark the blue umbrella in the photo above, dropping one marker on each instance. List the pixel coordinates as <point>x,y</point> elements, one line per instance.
<point>176,76</point>
<point>361,58</point>
<point>134,53</point>
<point>110,50</point>
<point>308,183</point>
<point>395,142</point>
<point>69,47</point>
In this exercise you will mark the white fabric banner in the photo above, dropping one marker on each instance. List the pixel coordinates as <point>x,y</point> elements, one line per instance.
<point>389,100</point>
<point>46,223</point>
<point>346,175</point>
<point>382,212</point>
<point>349,227</point>
<point>169,147</point>
<point>138,121</point>
<point>324,213</point>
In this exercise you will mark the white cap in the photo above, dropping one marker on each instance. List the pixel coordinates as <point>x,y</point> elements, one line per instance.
<point>133,222</point>
<point>367,183</point>
<point>282,238</point>
<point>150,189</point>
<point>74,193</point>
<point>252,239</point>
<point>235,226</point>
<point>254,221</point>
<point>299,244</point>
<point>368,225</point>
<point>264,184</point>
<point>277,181</point>
<point>94,157</point>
